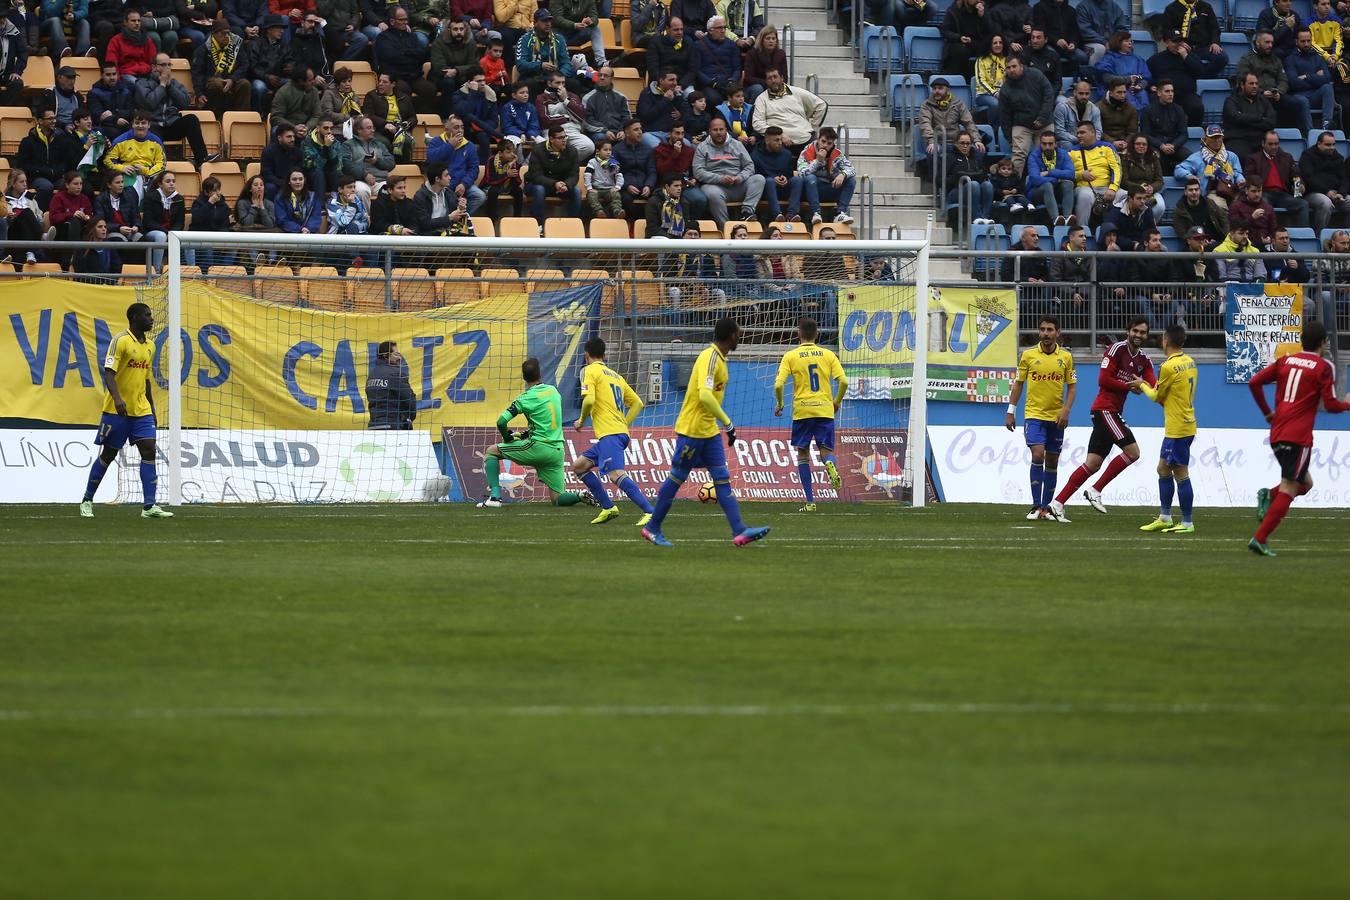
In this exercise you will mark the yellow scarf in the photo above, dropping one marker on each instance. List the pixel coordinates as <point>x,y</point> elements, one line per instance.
<point>1187,17</point>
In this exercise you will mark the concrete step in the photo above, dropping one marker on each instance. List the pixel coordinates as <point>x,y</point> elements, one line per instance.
<point>788,8</point>
<point>856,117</point>
<point>808,19</point>
<point>825,67</point>
<point>822,36</point>
<point>852,100</point>
<point>833,82</point>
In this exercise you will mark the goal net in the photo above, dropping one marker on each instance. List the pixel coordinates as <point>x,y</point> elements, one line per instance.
<point>318,369</point>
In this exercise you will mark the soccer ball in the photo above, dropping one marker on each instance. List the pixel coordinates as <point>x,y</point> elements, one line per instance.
<point>707,493</point>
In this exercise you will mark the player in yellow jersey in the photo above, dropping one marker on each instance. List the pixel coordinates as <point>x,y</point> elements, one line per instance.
<point>697,444</point>
<point>811,369</point>
<point>611,405</point>
<point>128,409</point>
<point>1176,392</point>
<point>1047,370</point>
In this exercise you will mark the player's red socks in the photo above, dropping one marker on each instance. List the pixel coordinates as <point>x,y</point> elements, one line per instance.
<point>1279,505</point>
<point>1080,475</point>
<point>1116,466</point>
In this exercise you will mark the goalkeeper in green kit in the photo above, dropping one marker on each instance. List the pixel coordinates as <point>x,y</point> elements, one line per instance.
<point>541,445</point>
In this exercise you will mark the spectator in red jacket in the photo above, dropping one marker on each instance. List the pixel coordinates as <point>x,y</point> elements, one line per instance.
<point>131,49</point>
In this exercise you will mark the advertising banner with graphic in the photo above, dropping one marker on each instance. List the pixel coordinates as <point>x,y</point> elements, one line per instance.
<point>989,464</point>
<point>1262,322</point>
<point>763,465</point>
<point>254,364</point>
<point>971,334</point>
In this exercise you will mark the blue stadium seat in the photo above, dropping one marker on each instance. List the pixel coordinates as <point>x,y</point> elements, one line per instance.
<point>1304,240</point>
<point>1171,240</point>
<point>1155,8</point>
<point>959,87</point>
<point>1292,142</point>
<point>906,100</point>
<point>923,49</point>
<point>1172,192</point>
<point>1213,92</point>
<point>875,46</point>
<point>1236,46</point>
<point>1062,234</point>
<point>1245,13</point>
<point>1220,11</point>
<point>1342,143</point>
<point>1066,84</point>
<point>1144,44</point>
<point>988,238</point>
<point>1124,6</point>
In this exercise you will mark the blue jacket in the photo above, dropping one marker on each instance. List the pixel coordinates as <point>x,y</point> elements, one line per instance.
<point>520,119</point>
<point>1298,64</point>
<point>1099,19</point>
<point>1120,65</point>
<point>462,160</point>
<point>1062,169</point>
<point>746,114</point>
<point>716,62</point>
<point>772,165</point>
<point>638,165</point>
<point>1195,165</point>
<point>531,54</point>
<point>308,214</point>
<point>478,112</point>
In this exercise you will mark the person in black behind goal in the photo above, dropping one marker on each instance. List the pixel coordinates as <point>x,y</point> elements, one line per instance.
<point>388,394</point>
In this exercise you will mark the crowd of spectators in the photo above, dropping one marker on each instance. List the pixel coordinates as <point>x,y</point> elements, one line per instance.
<point>526,94</point>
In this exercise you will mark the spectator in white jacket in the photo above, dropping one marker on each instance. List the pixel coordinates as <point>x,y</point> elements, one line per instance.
<point>798,112</point>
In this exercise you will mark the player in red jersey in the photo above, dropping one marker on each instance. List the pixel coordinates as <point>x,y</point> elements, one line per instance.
<point>1303,381</point>
<point>1124,367</point>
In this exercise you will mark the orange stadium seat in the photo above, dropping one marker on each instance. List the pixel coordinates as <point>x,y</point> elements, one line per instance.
<point>483,227</point>
<point>457,286</point>
<point>413,174</point>
<point>86,71</point>
<point>182,73</point>
<point>322,288</point>
<point>428,125</point>
<point>38,75</point>
<point>609,229</point>
<point>368,290</point>
<point>210,128</point>
<point>231,278</point>
<point>640,229</point>
<point>363,76</point>
<point>755,229</point>
<point>413,290</point>
<point>518,227</point>
<point>276,284</point>
<point>644,287</point>
<point>565,229</point>
<point>189,182</point>
<point>501,281</point>
<point>245,134</point>
<point>544,280</point>
<point>231,179</point>
<point>15,123</point>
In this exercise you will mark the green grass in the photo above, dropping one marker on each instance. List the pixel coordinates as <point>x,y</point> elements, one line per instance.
<point>429,701</point>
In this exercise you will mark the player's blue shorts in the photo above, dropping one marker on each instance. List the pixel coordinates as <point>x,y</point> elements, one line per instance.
<point>1176,451</point>
<point>607,453</point>
<point>697,453</point>
<point>1041,431</point>
<point>820,430</point>
<point>115,430</point>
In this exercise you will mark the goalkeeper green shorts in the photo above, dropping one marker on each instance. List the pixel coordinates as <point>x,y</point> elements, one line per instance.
<point>545,459</point>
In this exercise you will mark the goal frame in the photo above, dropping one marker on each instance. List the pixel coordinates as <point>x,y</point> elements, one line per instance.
<point>179,241</point>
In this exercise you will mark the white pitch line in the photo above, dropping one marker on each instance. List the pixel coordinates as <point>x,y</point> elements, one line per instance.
<point>696,711</point>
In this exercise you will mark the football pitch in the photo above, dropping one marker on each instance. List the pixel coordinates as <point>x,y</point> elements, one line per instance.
<point>418,701</point>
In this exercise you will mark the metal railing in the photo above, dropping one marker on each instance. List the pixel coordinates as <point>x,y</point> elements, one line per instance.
<point>789,41</point>
<point>867,193</point>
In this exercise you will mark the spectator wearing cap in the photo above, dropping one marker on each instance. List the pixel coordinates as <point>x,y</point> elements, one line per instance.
<point>57,16</point>
<point>1175,63</point>
<point>62,97</point>
<point>1274,170</point>
<point>401,54</point>
<point>1325,187</point>
<point>165,98</point>
<point>540,53</point>
<point>943,117</point>
<point>1198,25</point>
<point>213,66</point>
<point>1195,210</point>
<point>1310,78</point>
<point>1281,21</point>
<point>1217,168</point>
<point>672,51</point>
<point>1247,116</point>
<point>1097,21</point>
<point>1196,276</point>
<point>1163,122</point>
<point>964,30</point>
<point>265,62</point>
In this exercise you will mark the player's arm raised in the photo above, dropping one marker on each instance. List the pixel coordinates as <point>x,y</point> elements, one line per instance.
<point>1258,388</point>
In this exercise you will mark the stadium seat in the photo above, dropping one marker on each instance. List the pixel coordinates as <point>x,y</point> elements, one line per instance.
<point>755,229</point>
<point>1325,235</point>
<point>15,123</point>
<point>39,74</point>
<point>1292,142</point>
<point>923,47</point>
<point>210,128</point>
<point>1213,92</point>
<point>630,84</point>
<point>907,93</point>
<point>501,281</point>
<point>1246,12</point>
<point>1172,192</point>
<point>231,179</point>
<point>182,73</point>
<point>457,286</point>
<point>133,272</point>
<point>413,290</point>
<point>644,289</point>
<point>86,71</point>
<point>1342,144</point>
<point>414,175</point>
<point>364,78</point>
<point>639,229</point>
<point>1144,44</point>
<point>483,227</point>
<point>244,134</point>
<point>517,227</point>
<point>1061,234</point>
<point>369,293</point>
<point>1304,240</point>
<point>609,229</point>
<point>958,86</point>
<point>544,280</point>
<point>1236,46</point>
<point>231,278</point>
<point>881,48</point>
<point>44,268</point>
<point>323,288</point>
<point>1171,240</point>
<point>1152,8</point>
<point>428,125</point>
<point>189,182</point>
<point>567,228</point>
<point>841,231</point>
<point>275,284</point>
<point>253,168</point>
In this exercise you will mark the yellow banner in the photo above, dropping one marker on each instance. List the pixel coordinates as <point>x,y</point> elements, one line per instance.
<point>970,328</point>
<point>253,364</point>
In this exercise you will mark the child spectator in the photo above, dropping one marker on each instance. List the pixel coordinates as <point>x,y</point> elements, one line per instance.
<point>604,181</point>
<point>494,66</point>
<point>520,120</point>
<point>696,126</point>
<point>1008,194</point>
<point>502,176</point>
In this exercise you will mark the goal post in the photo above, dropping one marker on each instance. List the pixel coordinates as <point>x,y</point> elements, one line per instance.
<point>277,334</point>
